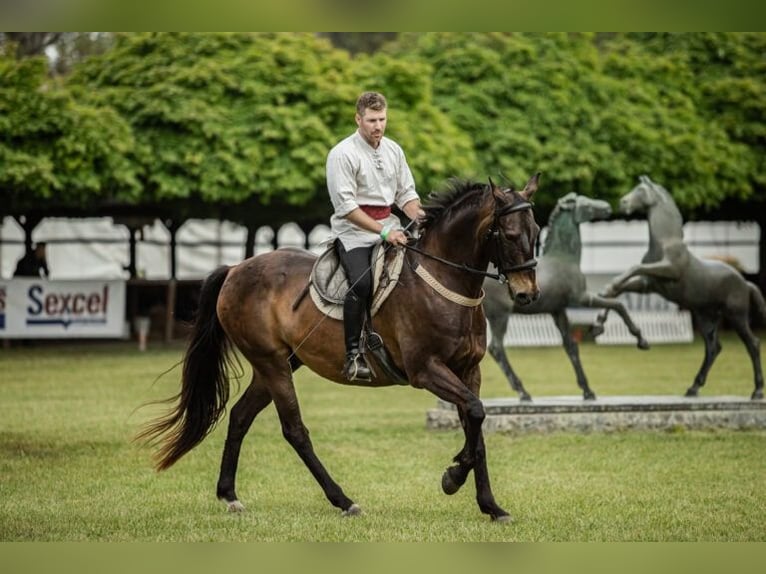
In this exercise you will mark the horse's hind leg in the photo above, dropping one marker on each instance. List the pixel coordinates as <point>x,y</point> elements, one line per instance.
<point>708,327</point>
<point>283,392</point>
<point>573,352</point>
<point>752,344</point>
<point>253,401</point>
<point>498,325</point>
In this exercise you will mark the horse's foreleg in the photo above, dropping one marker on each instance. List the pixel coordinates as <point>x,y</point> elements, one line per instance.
<point>294,431</point>
<point>484,497</point>
<point>498,326</point>
<point>708,327</point>
<point>634,285</point>
<point>253,401</point>
<point>573,352</point>
<point>589,300</point>
<point>664,269</point>
<point>442,382</point>
<point>752,344</point>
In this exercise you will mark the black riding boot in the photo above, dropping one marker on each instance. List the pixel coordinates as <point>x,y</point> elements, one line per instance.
<point>355,367</point>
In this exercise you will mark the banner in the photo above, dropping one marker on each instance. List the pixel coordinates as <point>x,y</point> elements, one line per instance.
<point>38,308</point>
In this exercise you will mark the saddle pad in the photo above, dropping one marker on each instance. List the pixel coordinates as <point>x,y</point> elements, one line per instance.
<point>328,283</point>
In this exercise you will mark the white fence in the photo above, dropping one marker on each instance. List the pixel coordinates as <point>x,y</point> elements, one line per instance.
<point>93,248</point>
<point>657,327</point>
<point>97,248</point>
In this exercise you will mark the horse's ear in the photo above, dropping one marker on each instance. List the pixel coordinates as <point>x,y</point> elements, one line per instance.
<point>644,179</point>
<point>491,184</point>
<point>531,187</point>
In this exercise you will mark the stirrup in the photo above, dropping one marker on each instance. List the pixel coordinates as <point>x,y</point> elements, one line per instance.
<point>356,368</point>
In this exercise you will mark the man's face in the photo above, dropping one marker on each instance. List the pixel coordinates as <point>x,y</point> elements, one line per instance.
<point>372,125</point>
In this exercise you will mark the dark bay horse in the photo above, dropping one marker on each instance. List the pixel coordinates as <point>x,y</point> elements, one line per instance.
<point>562,285</point>
<point>710,290</point>
<point>435,341</point>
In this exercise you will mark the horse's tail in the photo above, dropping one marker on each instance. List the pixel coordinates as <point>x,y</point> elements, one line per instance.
<point>756,300</point>
<point>204,386</point>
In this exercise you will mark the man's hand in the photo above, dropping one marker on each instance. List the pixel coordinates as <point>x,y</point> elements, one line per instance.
<point>396,237</point>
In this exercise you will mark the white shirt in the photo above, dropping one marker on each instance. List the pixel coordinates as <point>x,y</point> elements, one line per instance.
<point>358,174</point>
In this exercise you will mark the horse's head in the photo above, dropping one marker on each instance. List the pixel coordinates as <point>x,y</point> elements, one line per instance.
<point>584,209</point>
<point>640,198</point>
<point>515,230</point>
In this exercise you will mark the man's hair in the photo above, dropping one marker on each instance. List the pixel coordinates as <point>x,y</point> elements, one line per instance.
<point>370,101</point>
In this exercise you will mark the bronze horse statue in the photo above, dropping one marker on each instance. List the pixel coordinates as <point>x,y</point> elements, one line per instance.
<point>562,285</point>
<point>710,290</point>
<point>258,307</point>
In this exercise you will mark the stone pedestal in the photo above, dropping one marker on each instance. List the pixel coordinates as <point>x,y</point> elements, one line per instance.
<point>572,413</point>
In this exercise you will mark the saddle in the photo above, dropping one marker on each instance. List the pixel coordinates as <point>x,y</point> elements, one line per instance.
<point>328,286</point>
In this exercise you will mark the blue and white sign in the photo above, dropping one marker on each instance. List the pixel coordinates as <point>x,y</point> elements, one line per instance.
<point>38,308</point>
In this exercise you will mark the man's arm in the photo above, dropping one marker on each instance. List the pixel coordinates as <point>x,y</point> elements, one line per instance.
<point>361,219</point>
<point>413,210</point>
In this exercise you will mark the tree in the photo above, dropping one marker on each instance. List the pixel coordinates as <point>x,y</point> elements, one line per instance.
<point>591,112</point>
<point>29,43</point>
<point>223,118</point>
<point>54,148</point>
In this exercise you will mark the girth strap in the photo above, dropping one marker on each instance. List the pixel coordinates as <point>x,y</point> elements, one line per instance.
<point>447,293</point>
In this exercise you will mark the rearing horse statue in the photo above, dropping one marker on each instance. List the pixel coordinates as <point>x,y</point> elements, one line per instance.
<point>436,341</point>
<point>710,290</point>
<point>562,285</point>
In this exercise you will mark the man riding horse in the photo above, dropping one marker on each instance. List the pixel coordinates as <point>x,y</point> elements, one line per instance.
<point>366,174</point>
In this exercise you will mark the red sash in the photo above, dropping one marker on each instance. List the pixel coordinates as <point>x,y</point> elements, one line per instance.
<point>376,211</point>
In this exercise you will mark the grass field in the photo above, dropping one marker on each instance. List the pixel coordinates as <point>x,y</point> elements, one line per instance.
<point>69,472</point>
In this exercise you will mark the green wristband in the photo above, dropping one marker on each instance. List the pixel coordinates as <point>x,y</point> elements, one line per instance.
<point>384,233</point>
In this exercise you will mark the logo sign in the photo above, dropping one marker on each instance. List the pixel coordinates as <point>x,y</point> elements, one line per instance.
<point>35,308</point>
<point>48,307</point>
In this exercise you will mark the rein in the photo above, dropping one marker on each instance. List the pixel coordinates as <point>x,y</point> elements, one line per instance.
<point>501,277</point>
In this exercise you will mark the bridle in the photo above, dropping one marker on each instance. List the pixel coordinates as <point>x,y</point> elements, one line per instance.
<point>493,232</point>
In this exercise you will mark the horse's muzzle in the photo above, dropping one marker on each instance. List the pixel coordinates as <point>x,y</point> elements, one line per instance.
<point>525,298</point>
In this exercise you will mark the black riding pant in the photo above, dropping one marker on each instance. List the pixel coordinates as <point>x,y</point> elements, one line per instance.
<point>356,264</point>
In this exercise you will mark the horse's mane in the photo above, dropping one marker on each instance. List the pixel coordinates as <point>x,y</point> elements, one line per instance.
<point>440,203</point>
<point>553,231</point>
<point>558,210</point>
<point>662,193</point>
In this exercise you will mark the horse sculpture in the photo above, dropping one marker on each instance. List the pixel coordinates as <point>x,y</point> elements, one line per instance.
<point>259,306</point>
<point>710,290</point>
<point>562,285</point>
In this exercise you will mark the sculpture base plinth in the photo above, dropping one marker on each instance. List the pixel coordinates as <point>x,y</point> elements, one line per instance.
<point>615,413</point>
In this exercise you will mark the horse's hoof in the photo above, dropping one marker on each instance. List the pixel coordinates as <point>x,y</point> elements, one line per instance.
<point>353,510</point>
<point>525,398</point>
<point>234,506</point>
<point>503,519</point>
<point>589,396</point>
<point>449,486</point>
<point>596,330</point>
<point>643,344</point>
<point>692,392</point>
<point>757,395</point>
